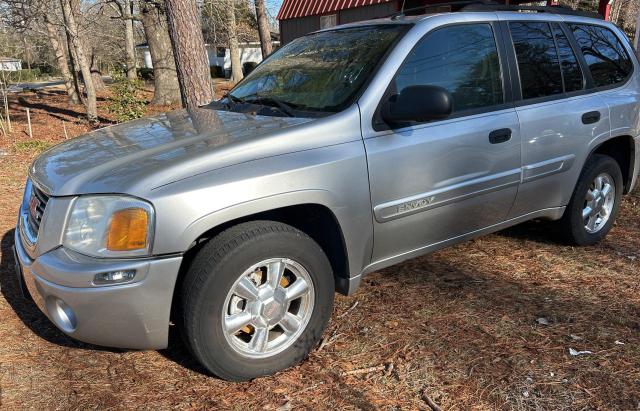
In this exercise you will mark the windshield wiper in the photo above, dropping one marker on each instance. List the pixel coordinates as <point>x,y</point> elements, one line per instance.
<point>272,102</point>
<point>232,99</point>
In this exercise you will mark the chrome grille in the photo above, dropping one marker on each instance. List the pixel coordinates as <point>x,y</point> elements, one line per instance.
<point>37,204</point>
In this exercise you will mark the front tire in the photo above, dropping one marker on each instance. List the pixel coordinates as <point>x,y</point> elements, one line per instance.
<point>594,204</point>
<point>256,300</point>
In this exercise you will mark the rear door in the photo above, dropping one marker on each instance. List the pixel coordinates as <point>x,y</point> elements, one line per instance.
<point>431,182</point>
<point>608,56</point>
<point>558,112</point>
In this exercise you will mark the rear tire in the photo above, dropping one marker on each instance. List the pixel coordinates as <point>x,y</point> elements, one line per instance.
<point>246,278</point>
<point>594,205</point>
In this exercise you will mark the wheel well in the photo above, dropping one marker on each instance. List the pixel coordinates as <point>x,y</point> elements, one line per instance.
<point>622,150</point>
<point>317,221</point>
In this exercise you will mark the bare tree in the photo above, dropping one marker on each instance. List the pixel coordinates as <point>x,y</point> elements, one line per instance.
<point>130,51</point>
<point>192,64</point>
<point>71,27</point>
<point>154,21</point>
<point>96,74</point>
<point>263,28</point>
<point>61,58</point>
<point>236,68</point>
<point>125,11</point>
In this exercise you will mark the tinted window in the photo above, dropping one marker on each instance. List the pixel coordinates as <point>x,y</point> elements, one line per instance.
<point>462,59</point>
<point>537,59</point>
<point>605,55</point>
<point>571,72</point>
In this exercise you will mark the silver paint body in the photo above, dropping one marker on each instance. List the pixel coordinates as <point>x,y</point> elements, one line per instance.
<point>395,194</point>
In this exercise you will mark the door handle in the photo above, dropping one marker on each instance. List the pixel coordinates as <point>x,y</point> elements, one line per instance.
<point>500,136</point>
<point>591,117</point>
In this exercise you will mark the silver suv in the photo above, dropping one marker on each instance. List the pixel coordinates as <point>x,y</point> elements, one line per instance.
<point>346,151</point>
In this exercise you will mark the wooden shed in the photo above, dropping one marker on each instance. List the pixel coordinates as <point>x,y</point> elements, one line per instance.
<point>299,17</point>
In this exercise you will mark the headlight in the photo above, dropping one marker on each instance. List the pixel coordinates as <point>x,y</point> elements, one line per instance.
<point>109,226</point>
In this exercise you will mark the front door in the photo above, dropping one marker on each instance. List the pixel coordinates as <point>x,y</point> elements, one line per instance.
<point>431,182</point>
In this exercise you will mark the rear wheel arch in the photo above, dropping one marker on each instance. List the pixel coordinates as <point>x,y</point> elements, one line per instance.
<point>622,149</point>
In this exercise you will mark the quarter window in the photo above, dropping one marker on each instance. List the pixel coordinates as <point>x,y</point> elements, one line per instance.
<point>606,57</point>
<point>538,63</point>
<point>462,59</point>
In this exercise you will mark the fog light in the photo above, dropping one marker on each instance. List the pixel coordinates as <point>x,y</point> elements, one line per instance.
<point>61,314</point>
<point>114,277</point>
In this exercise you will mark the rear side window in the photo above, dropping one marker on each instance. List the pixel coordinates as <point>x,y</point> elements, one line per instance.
<point>462,59</point>
<point>571,73</point>
<point>538,62</point>
<point>606,57</point>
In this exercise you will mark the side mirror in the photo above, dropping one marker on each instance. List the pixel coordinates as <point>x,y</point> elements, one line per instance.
<point>418,103</point>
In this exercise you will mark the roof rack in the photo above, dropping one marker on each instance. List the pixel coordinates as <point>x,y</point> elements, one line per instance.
<point>461,3</point>
<point>532,9</point>
<point>492,6</point>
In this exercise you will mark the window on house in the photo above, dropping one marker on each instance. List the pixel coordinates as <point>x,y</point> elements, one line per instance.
<point>328,21</point>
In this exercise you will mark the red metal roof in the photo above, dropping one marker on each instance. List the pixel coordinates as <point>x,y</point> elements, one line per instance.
<point>291,9</point>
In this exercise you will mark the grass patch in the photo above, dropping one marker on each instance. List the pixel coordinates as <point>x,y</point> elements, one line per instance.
<point>37,146</point>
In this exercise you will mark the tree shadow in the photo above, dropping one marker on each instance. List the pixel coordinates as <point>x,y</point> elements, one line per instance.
<point>25,308</point>
<point>57,112</point>
<point>539,231</point>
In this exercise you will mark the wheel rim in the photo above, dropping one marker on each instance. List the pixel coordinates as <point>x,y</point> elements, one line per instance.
<point>598,203</point>
<point>268,307</point>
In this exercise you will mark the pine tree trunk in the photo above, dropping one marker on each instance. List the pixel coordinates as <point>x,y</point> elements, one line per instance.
<point>61,60</point>
<point>154,20</point>
<point>236,67</point>
<point>72,30</point>
<point>129,48</point>
<point>263,28</point>
<point>192,65</point>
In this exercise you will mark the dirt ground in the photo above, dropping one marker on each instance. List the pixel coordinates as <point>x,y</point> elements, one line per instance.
<point>487,324</point>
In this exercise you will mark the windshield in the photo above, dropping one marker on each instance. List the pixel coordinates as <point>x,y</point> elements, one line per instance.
<point>319,72</point>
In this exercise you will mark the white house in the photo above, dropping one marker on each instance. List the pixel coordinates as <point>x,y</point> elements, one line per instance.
<point>250,54</point>
<point>10,64</point>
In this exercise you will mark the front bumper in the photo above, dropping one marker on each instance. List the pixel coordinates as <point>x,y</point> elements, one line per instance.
<point>133,315</point>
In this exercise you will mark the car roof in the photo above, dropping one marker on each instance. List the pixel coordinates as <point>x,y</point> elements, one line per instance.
<point>497,15</point>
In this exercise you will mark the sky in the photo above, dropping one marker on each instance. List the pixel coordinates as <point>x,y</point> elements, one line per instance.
<point>273,6</point>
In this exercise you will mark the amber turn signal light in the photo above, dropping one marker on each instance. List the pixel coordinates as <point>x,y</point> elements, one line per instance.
<point>128,230</point>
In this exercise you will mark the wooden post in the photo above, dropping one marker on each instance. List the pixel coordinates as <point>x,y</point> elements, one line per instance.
<point>29,123</point>
<point>64,127</point>
<point>6,111</point>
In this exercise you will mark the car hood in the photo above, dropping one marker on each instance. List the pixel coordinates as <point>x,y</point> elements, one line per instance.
<point>140,155</point>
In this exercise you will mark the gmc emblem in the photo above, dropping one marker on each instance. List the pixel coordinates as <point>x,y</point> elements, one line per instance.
<point>33,207</point>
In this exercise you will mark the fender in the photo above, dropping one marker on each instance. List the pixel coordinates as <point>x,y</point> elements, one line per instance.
<point>205,223</point>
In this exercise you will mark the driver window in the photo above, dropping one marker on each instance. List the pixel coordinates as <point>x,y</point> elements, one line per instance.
<point>462,59</point>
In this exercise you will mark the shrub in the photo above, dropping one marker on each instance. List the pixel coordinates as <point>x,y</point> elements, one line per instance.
<point>145,73</point>
<point>37,146</point>
<point>217,71</point>
<point>248,67</point>
<point>126,103</point>
<point>20,76</point>
<point>47,69</point>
